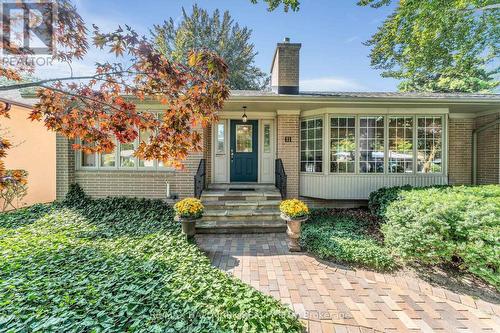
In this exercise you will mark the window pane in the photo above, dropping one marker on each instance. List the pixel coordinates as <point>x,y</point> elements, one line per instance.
<point>88,160</point>
<point>127,160</point>
<point>400,145</point>
<point>342,144</point>
<point>267,138</point>
<point>371,146</point>
<point>311,155</point>
<point>429,145</point>
<point>244,138</point>
<point>145,136</point>
<point>221,138</point>
<point>108,160</point>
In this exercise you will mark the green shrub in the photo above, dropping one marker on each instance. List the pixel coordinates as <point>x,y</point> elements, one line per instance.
<point>378,200</point>
<point>346,237</point>
<point>119,265</point>
<point>447,225</point>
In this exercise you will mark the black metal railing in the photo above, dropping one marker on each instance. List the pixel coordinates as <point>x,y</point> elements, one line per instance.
<point>280,177</point>
<point>199,179</point>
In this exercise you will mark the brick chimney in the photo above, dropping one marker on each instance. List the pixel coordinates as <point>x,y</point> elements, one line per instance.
<point>285,68</point>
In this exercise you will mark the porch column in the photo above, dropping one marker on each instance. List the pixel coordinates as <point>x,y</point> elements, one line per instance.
<point>288,136</point>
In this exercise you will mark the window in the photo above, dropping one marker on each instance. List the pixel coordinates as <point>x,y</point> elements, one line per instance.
<point>371,144</point>
<point>221,138</point>
<point>400,145</point>
<point>311,145</point>
<point>267,138</point>
<point>244,138</point>
<point>88,160</point>
<point>127,159</point>
<point>342,144</point>
<point>145,136</point>
<point>429,145</point>
<point>108,160</point>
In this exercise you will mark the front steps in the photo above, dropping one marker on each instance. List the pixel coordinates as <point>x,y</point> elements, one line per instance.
<point>240,208</point>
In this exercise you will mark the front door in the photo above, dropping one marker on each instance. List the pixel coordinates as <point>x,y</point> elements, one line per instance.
<point>244,148</point>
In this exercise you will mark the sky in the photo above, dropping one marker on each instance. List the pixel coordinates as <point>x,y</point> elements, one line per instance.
<point>333,57</point>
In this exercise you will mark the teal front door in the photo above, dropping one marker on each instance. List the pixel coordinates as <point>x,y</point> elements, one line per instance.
<point>244,148</point>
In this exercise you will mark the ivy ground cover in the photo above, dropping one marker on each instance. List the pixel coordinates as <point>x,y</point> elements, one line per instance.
<point>119,265</point>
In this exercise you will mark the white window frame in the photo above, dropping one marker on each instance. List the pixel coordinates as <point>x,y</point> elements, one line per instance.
<point>118,167</point>
<point>327,149</point>
<point>324,158</point>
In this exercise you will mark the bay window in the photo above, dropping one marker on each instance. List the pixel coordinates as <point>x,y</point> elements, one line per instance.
<point>311,145</point>
<point>371,144</point>
<point>429,145</point>
<point>374,144</point>
<point>400,152</point>
<point>342,144</point>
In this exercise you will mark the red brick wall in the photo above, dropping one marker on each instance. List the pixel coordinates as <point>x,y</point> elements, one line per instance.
<point>488,146</point>
<point>288,126</point>
<point>460,151</point>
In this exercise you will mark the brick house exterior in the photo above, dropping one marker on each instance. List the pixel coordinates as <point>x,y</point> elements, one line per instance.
<point>307,131</point>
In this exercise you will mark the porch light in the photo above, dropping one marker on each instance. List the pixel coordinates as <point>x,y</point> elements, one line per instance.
<point>244,117</point>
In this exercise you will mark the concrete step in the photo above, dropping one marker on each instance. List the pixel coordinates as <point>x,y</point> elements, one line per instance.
<point>224,227</point>
<point>244,215</point>
<point>226,187</point>
<point>242,204</point>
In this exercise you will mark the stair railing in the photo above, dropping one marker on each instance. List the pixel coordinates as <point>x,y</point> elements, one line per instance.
<point>199,179</point>
<point>280,177</point>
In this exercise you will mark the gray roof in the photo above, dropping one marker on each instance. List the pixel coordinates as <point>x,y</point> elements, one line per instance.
<point>15,96</point>
<point>371,95</point>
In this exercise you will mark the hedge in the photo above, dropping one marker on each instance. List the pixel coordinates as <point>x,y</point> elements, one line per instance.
<point>457,225</point>
<point>119,265</point>
<point>346,236</point>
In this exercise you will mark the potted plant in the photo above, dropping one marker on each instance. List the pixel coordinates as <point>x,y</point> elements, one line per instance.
<point>294,212</point>
<point>187,211</point>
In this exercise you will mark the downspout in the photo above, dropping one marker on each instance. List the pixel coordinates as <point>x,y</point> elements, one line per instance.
<point>474,147</point>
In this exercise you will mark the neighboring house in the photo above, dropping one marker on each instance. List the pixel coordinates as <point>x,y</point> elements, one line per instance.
<point>335,148</point>
<point>34,150</point>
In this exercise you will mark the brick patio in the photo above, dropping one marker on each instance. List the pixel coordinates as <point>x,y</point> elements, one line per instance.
<point>332,299</point>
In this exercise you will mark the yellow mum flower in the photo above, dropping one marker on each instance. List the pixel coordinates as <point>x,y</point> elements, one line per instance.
<point>189,207</point>
<point>294,208</point>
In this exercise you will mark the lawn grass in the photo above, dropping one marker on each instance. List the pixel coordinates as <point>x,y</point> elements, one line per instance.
<point>348,237</point>
<point>119,265</point>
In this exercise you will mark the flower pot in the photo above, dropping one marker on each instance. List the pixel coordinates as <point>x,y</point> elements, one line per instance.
<point>293,226</point>
<point>188,226</point>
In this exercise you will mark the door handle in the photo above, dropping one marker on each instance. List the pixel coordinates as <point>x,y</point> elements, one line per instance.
<point>232,154</point>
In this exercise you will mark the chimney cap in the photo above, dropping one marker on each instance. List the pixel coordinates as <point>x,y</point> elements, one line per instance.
<point>286,40</point>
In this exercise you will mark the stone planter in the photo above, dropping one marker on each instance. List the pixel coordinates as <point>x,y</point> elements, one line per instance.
<point>293,226</point>
<point>188,225</point>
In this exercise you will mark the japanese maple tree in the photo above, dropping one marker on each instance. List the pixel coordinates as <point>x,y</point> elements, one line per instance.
<point>101,108</point>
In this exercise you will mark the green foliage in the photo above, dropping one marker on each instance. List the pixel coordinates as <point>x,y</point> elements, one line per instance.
<point>347,237</point>
<point>287,4</point>
<point>378,200</point>
<point>447,225</point>
<point>200,30</point>
<point>119,265</point>
<point>439,46</point>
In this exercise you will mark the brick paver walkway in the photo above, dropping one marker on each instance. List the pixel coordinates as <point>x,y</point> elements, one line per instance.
<point>331,299</point>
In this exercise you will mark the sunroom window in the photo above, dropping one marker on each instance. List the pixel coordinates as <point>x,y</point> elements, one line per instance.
<point>429,145</point>
<point>342,144</point>
<point>371,144</point>
<point>400,145</point>
<point>311,145</point>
